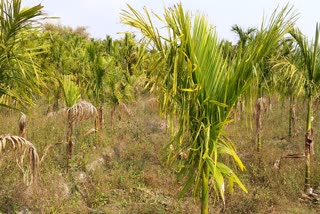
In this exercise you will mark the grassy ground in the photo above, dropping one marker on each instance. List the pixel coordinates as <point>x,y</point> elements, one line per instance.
<point>123,170</point>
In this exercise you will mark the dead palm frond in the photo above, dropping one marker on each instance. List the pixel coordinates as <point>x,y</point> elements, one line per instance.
<point>82,110</point>
<point>22,147</point>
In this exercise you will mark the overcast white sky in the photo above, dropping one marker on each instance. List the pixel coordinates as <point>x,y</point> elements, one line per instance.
<point>102,16</point>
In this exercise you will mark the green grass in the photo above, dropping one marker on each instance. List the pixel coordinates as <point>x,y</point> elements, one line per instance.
<point>123,171</point>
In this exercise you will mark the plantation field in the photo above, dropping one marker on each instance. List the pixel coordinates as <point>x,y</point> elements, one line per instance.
<point>123,170</point>
<point>183,122</point>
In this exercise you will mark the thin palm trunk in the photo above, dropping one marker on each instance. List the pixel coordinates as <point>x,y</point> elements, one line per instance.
<point>292,117</point>
<point>258,115</point>
<point>308,142</point>
<point>100,117</point>
<point>242,108</point>
<point>205,192</point>
<point>113,110</point>
<point>55,106</point>
<point>69,139</point>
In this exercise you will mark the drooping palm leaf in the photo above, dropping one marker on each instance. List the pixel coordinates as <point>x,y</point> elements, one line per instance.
<point>307,64</point>
<point>19,75</point>
<point>82,110</point>
<point>23,148</point>
<point>200,86</point>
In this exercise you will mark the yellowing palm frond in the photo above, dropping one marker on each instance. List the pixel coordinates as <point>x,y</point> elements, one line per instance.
<point>193,59</point>
<point>70,90</point>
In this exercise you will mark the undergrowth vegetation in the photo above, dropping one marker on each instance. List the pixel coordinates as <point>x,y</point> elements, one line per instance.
<point>81,130</point>
<point>123,170</point>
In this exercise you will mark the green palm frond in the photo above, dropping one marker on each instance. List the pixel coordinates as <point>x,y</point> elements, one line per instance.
<point>288,78</point>
<point>98,66</point>
<point>310,69</point>
<point>18,72</point>
<point>70,90</point>
<point>310,53</point>
<point>201,87</point>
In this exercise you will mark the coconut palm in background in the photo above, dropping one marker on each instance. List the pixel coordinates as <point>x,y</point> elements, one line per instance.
<point>201,88</point>
<point>119,88</point>
<point>245,36</point>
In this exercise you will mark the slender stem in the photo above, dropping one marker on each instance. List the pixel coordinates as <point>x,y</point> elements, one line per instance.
<point>258,109</point>
<point>309,114</point>
<point>290,118</point>
<point>259,143</point>
<point>69,140</point>
<point>308,144</point>
<point>205,191</point>
<point>100,116</point>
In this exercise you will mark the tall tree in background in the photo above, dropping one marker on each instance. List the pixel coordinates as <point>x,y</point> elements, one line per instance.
<point>245,36</point>
<point>96,86</point>
<point>65,55</point>
<point>128,52</point>
<point>288,79</point>
<point>306,62</point>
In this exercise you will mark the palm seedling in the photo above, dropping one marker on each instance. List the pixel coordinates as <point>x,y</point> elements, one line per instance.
<point>77,111</point>
<point>23,148</point>
<point>201,87</point>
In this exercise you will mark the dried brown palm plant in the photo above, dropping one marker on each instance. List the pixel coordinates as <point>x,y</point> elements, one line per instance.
<point>22,147</point>
<point>80,111</point>
<point>77,110</point>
